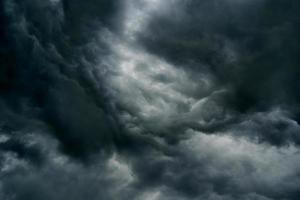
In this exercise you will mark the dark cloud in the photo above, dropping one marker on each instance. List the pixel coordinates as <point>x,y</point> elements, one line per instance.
<point>249,45</point>
<point>149,100</point>
<point>46,76</point>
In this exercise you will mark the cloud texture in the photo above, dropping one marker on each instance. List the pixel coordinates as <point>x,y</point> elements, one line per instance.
<point>149,100</point>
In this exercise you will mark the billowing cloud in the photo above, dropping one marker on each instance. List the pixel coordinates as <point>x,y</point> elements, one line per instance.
<point>149,100</point>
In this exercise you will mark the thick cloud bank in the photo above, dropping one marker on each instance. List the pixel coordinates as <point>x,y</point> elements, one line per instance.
<point>149,100</point>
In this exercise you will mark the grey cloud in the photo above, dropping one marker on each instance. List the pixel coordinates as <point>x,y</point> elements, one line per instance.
<point>149,100</point>
<point>254,34</point>
<point>47,68</point>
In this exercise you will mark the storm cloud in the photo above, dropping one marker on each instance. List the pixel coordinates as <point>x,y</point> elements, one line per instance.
<point>149,99</point>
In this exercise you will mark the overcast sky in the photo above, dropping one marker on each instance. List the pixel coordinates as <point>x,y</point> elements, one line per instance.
<point>149,99</point>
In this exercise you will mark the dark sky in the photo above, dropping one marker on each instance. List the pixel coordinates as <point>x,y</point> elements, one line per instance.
<point>149,99</point>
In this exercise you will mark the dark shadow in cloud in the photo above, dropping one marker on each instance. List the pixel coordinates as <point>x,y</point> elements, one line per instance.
<point>41,43</point>
<point>252,46</point>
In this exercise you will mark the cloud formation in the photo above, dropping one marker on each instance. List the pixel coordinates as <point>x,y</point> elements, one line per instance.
<point>149,100</point>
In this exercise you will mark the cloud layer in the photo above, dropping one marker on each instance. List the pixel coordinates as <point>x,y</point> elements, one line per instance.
<point>149,100</point>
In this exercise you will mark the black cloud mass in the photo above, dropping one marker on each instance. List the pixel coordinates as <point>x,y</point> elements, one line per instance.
<point>149,99</point>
